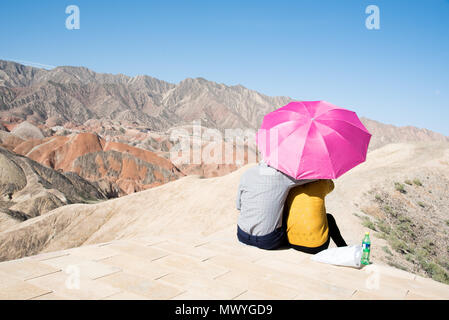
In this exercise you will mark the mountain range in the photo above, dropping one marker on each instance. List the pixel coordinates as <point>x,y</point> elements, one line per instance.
<point>76,95</point>
<point>71,138</point>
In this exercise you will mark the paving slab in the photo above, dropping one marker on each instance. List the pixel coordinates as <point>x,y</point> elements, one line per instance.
<point>242,251</point>
<point>25,269</point>
<point>289,255</point>
<point>21,291</point>
<point>239,264</point>
<point>196,283</point>
<point>390,271</point>
<point>49,296</point>
<point>140,286</point>
<point>71,287</point>
<point>135,249</point>
<point>93,252</point>
<point>190,265</point>
<point>259,285</point>
<point>136,265</point>
<point>148,240</point>
<point>432,289</point>
<point>199,252</point>
<point>49,255</point>
<point>284,267</point>
<point>7,280</point>
<point>312,289</point>
<point>85,267</point>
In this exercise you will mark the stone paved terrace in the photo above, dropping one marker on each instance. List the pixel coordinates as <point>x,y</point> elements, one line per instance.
<point>216,267</point>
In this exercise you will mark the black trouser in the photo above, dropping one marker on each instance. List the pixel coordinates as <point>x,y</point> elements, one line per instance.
<point>334,234</point>
<point>273,240</point>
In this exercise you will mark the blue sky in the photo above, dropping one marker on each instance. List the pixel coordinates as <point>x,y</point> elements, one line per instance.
<point>308,50</point>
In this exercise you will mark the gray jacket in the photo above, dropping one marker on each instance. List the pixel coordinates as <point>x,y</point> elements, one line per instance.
<point>260,198</point>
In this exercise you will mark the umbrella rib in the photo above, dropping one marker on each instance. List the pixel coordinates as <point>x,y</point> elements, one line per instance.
<point>350,144</point>
<point>294,111</point>
<point>327,151</point>
<point>304,145</point>
<point>351,124</point>
<point>325,112</point>
<point>319,121</point>
<point>280,124</point>
<point>305,107</point>
<point>334,109</point>
<point>279,145</point>
<point>288,110</point>
<point>293,131</point>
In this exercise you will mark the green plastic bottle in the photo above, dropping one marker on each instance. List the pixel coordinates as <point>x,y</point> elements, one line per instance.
<point>366,248</point>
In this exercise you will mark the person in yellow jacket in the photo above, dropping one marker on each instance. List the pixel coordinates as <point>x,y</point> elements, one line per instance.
<point>308,226</point>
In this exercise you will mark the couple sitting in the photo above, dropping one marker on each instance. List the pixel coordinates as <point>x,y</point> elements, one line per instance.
<point>302,223</point>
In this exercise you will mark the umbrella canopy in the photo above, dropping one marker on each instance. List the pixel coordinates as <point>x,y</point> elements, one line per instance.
<point>313,140</point>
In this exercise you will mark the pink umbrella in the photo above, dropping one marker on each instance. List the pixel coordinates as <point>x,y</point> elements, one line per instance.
<point>313,140</point>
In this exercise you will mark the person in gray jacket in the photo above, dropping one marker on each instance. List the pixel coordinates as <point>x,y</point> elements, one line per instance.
<point>260,198</point>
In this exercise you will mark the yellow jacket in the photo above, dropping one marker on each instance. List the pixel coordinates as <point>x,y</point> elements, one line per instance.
<point>307,221</point>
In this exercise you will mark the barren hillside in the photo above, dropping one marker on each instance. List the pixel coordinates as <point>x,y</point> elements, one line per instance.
<point>29,189</point>
<point>193,206</point>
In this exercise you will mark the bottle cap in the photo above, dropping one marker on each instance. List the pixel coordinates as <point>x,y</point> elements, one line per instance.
<point>366,233</point>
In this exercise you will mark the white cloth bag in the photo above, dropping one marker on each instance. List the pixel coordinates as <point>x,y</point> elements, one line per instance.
<point>348,256</point>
